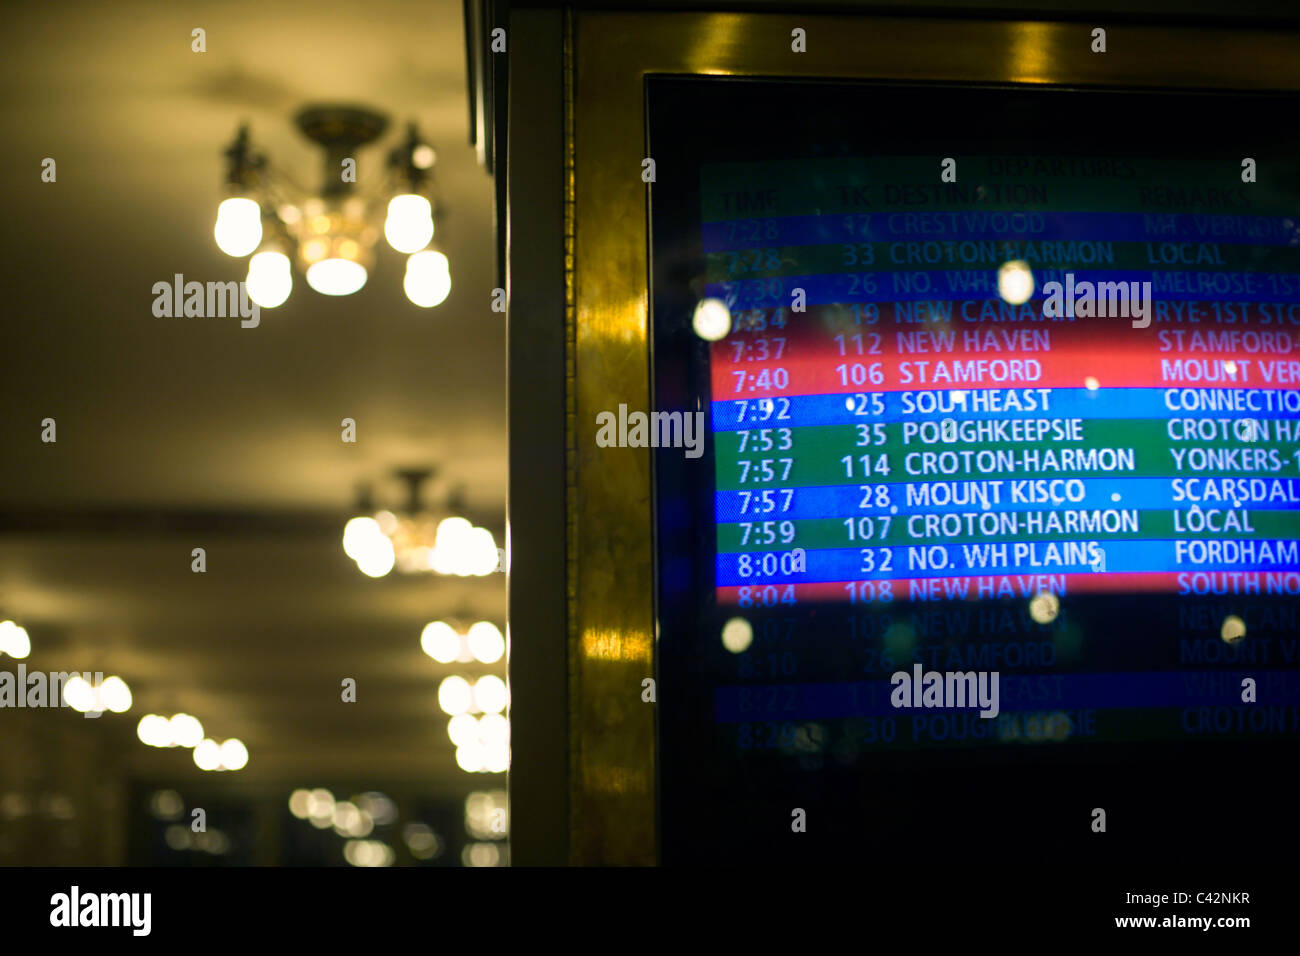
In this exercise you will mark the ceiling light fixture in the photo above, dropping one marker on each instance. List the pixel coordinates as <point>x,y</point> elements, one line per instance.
<point>482,742</point>
<point>483,642</point>
<point>112,694</point>
<point>331,234</point>
<point>416,539</point>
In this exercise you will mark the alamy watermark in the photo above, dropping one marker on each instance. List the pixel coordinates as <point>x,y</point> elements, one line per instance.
<point>76,909</point>
<point>653,430</point>
<point>1100,299</point>
<point>946,689</point>
<point>39,689</point>
<point>213,300</point>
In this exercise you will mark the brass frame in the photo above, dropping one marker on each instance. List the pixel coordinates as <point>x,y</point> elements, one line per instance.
<point>610,545</point>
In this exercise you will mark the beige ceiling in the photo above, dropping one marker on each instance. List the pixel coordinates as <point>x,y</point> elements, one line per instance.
<point>174,417</point>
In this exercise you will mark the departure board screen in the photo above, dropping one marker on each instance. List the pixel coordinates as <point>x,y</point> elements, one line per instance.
<point>924,423</point>
<point>1000,478</point>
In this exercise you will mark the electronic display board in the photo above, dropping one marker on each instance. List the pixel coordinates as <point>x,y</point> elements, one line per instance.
<point>999,493</point>
<point>928,441</point>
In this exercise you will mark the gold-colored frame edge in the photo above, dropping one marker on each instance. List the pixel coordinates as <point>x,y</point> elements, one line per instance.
<point>611,624</point>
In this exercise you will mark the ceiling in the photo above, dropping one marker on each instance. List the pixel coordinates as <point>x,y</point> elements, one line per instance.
<point>176,433</point>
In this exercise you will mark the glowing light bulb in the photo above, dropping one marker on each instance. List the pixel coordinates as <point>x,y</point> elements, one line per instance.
<point>320,808</point>
<point>234,755</point>
<point>423,156</point>
<point>1015,282</point>
<point>347,817</point>
<point>490,695</point>
<point>1233,629</point>
<point>78,694</point>
<point>472,757</point>
<point>451,531</point>
<point>269,279</point>
<point>486,642</point>
<point>239,227</point>
<point>440,642</point>
<point>409,225</point>
<point>185,731</point>
<point>357,534</point>
<point>463,730</point>
<point>115,695</point>
<point>153,730</point>
<point>712,320</point>
<point>336,276</point>
<point>428,278</point>
<point>454,695</point>
<point>14,640</point>
<point>480,552</point>
<point>737,635</point>
<point>207,754</point>
<point>493,730</point>
<point>451,543</point>
<point>1044,606</point>
<point>377,557</point>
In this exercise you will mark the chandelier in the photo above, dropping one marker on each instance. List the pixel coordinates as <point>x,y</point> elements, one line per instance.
<point>420,540</point>
<point>331,234</point>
